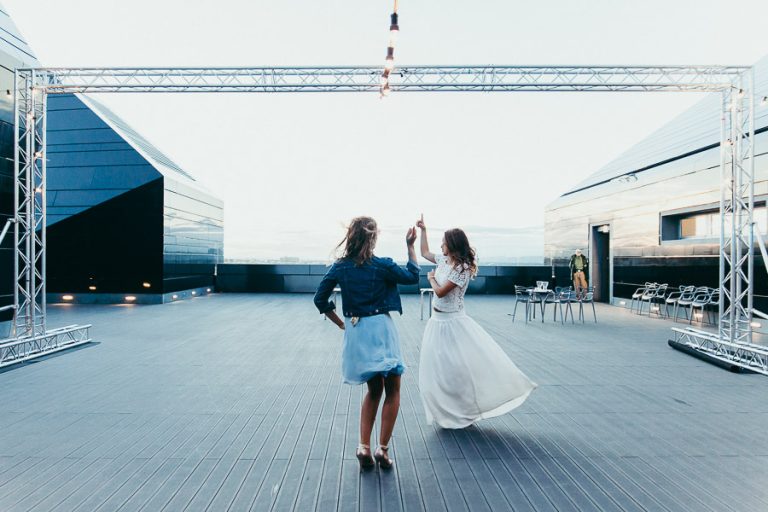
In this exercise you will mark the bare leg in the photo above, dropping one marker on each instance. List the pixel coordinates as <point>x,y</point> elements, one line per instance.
<point>390,409</point>
<point>369,407</point>
<point>388,417</point>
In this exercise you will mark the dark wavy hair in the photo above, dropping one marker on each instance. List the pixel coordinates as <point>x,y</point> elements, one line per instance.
<point>360,240</point>
<point>460,251</point>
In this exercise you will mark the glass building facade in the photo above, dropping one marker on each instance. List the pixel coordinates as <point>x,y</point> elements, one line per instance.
<point>652,214</point>
<point>14,53</point>
<point>122,217</point>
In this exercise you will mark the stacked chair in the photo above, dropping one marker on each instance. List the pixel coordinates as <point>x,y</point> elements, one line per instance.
<point>654,294</point>
<point>673,299</point>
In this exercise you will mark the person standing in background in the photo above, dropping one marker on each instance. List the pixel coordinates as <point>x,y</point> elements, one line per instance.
<point>579,265</point>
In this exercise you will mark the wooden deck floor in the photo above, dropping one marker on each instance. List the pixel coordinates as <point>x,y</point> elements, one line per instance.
<point>234,402</point>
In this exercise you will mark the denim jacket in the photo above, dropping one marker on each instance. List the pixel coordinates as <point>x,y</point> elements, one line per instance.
<point>367,289</point>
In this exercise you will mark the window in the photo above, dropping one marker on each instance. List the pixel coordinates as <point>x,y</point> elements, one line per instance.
<point>703,225</point>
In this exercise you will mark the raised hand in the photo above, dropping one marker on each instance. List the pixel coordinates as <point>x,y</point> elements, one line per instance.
<point>410,237</point>
<point>420,223</point>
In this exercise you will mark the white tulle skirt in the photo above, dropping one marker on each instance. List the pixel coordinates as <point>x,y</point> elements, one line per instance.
<point>464,376</point>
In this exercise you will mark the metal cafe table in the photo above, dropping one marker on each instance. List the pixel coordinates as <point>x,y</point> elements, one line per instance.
<point>539,295</point>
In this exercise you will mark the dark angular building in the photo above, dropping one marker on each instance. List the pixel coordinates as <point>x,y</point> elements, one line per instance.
<point>123,220</point>
<point>122,217</point>
<point>653,213</point>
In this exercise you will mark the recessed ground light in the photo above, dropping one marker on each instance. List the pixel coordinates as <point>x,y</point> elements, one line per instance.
<point>130,298</point>
<point>92,288</point>
<point>146,284</point>
<point>67,297</point>
<point>174,296</point>
<point>623,303</point>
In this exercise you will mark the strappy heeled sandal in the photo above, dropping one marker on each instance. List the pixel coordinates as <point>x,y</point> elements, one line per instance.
<point>382,457</point>
<point>363,454</point>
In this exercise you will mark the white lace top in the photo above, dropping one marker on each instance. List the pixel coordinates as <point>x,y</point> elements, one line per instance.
<point>453,301</point>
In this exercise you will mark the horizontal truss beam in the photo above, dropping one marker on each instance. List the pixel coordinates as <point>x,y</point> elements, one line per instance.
<point>744,355</point>
<point>405,78</point>
<point>17,350</point>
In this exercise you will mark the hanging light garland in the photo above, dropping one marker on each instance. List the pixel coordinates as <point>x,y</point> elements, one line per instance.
<point>389,63</point>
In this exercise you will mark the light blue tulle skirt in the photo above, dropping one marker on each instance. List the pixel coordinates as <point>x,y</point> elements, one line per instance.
<point>372,347</point>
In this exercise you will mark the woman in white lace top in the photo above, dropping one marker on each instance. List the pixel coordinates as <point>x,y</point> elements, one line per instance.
<point>464,376</point>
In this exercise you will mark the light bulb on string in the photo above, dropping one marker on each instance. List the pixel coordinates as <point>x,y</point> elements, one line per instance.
<point>394,30</point>
<point>389,63</point>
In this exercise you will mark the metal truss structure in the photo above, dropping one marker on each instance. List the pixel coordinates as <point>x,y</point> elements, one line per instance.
<point>737,237</point>
<point>18,350</point>
<point>735,83</point>
<point>404,78</point>
<point>29,200</point>
<point>743,355</point>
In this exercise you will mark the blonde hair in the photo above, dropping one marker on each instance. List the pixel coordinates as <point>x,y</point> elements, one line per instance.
<point>360,240</point>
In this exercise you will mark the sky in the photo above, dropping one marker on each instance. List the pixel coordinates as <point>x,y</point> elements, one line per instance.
<point>292,169</point>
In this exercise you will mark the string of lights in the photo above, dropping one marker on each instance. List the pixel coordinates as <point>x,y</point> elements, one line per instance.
<point>389,62</point>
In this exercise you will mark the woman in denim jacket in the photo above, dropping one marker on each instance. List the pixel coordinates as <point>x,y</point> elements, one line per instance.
<point>371,352</point>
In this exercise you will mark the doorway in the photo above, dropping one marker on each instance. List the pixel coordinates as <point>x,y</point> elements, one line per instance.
<point>600,257</point>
